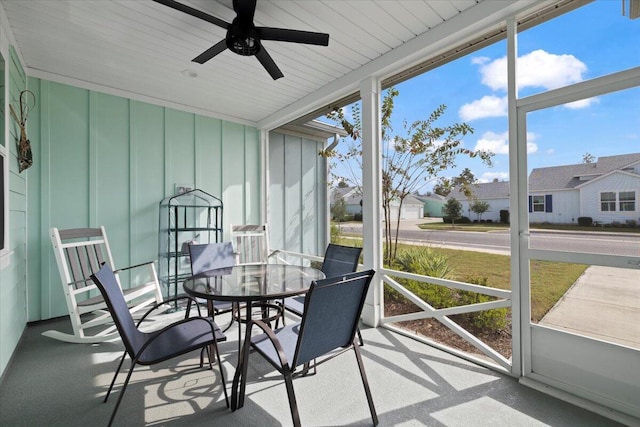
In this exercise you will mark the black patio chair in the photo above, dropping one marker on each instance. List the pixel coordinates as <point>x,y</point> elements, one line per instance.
<point>338,260</point>
<point>211,256</point>
<point>328,328</point>
<point>149,348</point>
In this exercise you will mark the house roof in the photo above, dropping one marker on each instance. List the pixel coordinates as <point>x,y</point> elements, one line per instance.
<point>567,177</point>
<point>350,195</point>
<point>484,191</point>
<point>143,50</point>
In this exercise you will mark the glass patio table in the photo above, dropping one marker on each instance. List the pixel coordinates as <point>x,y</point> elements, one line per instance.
<point>253,285</point>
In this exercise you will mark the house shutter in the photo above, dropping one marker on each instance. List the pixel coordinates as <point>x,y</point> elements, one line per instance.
<point>530,204</point>
<point>548,206</point>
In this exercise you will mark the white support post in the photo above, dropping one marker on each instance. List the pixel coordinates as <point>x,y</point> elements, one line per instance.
<point>518,191</point>
<point>264,185</point>
<point>371,200</point>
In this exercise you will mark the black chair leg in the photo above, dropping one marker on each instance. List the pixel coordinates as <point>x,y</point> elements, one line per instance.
<point>113,381</point>
<point>360,341</point>
<point>224,384</point>
<point>124,388</point>
<point>293,405</point>
<point>365,383</point>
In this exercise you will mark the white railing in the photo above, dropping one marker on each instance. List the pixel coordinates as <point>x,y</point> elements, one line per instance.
<point>442,315</point>
<point>426,310</point>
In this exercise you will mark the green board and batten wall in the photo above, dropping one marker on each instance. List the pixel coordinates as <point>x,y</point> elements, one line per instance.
<point>101,159</point>
<point>106,160</point>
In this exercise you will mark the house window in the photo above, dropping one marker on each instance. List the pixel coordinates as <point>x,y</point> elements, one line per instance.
<point>608,201</point>
<point>538,203</point>
<point>627,201</point>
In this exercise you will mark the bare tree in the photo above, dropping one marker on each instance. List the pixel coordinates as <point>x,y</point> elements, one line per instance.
<point>409,159</point>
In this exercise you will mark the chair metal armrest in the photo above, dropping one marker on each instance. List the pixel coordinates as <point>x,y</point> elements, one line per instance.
<point>284,363</point>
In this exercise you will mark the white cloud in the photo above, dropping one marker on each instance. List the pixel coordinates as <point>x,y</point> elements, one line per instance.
<point>487,106</point>
<point>498,143</point>
<point>490,176</point>
<point>535,69</point>
<point>551,151</point>
<point>479,60</point>
<point>583,103</point>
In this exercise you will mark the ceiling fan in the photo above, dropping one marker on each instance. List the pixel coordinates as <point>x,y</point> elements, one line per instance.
<point>244,38</point>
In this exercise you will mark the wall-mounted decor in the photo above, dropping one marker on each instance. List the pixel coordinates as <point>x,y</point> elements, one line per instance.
<point>27,102</point>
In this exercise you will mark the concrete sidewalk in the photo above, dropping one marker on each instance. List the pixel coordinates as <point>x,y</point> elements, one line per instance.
<point>604,303</point>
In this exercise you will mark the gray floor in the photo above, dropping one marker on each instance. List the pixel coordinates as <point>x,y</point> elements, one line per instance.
<point>50,383</point>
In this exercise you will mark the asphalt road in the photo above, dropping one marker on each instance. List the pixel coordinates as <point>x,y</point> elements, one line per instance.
<point>623,244</point>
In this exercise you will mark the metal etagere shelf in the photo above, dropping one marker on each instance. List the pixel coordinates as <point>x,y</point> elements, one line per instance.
<point>191,217</point>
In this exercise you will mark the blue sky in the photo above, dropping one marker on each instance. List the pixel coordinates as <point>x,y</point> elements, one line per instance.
<point>592,41</point>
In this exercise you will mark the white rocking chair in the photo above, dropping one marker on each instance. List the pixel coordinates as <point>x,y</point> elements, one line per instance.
<point>80,252</point>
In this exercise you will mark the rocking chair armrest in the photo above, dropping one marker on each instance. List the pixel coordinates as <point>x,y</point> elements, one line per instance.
<point>143,264</point>
<point>274,341</point>
<point>168,300</point>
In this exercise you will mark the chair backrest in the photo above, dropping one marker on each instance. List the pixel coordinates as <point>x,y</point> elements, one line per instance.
<point>340,260</point>
<point>210,256</point>
<point>251,243</point>
<point>79,253</point>
<point>106,281</point>
<point>331,314</point>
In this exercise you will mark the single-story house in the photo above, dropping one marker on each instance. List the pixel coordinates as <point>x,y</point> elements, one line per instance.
<point>352,197</point>
<point>412,208</point>
<point>495,193</point>
<point>433,205</point>
<point>607,191</point>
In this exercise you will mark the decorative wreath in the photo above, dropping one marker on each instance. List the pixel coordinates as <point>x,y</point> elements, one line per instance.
<point>27,102</point>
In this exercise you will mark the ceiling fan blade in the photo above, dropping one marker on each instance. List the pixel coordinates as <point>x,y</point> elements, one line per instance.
<point>211,52</point>
<point>267,62</point>
<point>245,9</point>
<point>294,36</point>
<point>194,12</point>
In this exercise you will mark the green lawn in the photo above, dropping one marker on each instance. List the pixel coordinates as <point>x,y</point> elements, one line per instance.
<point>549,280</point>
<point>485,227</point>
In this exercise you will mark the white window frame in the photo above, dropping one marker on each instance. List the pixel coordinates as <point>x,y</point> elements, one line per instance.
<point>625,202</point>
<point>610,203</point>
<point>537,204</point>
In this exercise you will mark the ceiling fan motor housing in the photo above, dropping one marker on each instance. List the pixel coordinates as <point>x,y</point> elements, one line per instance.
<point>243,39</point>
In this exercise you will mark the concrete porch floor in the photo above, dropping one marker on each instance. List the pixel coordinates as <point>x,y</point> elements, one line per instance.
<point>51,383</point>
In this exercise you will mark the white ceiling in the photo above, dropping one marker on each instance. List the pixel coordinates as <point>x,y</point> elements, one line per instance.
<point>140,48</point>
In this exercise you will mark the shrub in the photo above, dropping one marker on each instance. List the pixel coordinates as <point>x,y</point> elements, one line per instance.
<point>426,262</point>
<point>461,220</point>
<point>585,221</point>
<point>504,216</point>
<point>494,320</point>
<point>357,217</point>
<point>631,223</point>
<point>335,233</point>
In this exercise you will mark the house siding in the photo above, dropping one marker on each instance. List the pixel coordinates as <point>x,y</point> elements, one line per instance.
<point>565,207</point>
<point>617,182</point>
<point>493,214</point>
<point>298,214</point>
<point>107,160</point>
